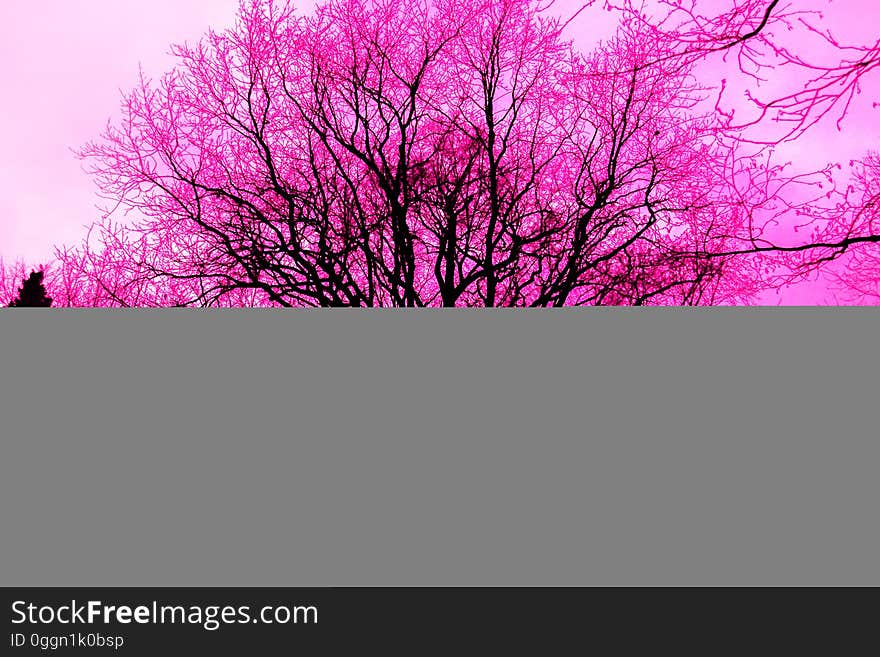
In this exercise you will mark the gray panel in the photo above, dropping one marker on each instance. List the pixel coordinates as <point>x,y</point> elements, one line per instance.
<point>350,448</point>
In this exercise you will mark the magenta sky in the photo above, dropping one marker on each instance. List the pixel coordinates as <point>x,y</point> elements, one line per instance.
<point>64,64</point>
<point>66,60</point>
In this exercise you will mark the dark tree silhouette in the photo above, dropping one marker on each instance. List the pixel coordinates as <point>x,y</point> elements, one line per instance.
<point>466,153</point>
<point>32,293</point>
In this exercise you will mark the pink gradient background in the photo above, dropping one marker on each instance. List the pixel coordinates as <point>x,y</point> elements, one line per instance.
<point>67,60</point>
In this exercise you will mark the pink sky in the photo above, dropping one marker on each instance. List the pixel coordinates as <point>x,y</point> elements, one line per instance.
<point>65,63</point>
<point>67,60</point>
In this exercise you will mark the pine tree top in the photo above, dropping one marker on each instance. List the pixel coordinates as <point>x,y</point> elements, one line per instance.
<point>32,293</point>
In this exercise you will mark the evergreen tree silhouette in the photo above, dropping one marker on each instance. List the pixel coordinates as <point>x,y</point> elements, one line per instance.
<point>32,294</point>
